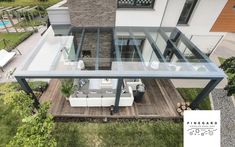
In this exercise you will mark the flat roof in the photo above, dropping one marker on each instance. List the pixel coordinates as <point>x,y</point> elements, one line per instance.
<point>126,52</point>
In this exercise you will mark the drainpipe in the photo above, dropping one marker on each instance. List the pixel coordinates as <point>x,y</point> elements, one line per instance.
<point>164,12</point>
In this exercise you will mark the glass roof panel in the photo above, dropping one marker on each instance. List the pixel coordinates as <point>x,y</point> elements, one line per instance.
<point>65,51</point>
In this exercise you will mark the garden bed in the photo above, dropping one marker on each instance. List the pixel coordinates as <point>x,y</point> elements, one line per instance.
<point>13,39</point>
<point>22,3</point>
<point>189,94</point>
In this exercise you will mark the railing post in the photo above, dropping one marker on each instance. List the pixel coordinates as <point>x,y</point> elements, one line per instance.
<point>118,94</point>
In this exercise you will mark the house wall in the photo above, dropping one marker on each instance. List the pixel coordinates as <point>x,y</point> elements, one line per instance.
<point>92,13</point>
<point>58,14</point>
<point>141,17</point>
<point>58,17</point>
<point>165,13</point>
<point>226,19</point>
<point>203,17</point>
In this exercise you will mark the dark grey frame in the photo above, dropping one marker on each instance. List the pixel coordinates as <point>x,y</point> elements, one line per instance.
<point>22,75</point>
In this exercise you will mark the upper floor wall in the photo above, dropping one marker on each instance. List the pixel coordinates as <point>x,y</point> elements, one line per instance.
<point>167,13</point>
<point>226,20</point>
<point>164,13</point>
<point>59,14</point>
<point>92,13</point>
<point>141,16</point>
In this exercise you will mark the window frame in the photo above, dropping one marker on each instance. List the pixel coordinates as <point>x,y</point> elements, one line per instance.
<point>135,5</point>
<point>190,12</point>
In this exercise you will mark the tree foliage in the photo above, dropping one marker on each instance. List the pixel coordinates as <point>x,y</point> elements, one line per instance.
<point>67,87</point>
<point>229,67</point>
<point>36,130</point>
<point>37,124</point>
<point>20,102</point>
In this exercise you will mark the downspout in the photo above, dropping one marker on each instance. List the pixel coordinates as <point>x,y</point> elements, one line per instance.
<point>164,12</point>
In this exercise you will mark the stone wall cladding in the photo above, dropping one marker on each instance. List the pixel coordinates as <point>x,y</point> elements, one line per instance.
<point>92,13</point>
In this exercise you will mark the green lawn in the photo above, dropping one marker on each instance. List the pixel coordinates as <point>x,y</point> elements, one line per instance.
<point>160,133</point>
<point>34,23</point>
<point>13,39</point>
<point>189,94</point>
<point>135,133</point>
<point>29,3</point>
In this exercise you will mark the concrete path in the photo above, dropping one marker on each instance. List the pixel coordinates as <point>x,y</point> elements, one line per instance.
<point>25,48</point>
<point>227,47</point>
<point>226,105</point>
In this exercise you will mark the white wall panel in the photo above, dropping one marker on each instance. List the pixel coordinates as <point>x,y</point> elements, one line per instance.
<point>172,14</point>
<point>206,43</point>
<point>141,17</point>
<point>59,16</point>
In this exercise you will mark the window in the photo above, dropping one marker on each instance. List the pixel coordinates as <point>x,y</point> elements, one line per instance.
<point>135,3</point>
<point>187,11</point>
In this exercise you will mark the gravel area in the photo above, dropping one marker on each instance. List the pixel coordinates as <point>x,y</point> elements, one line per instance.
<point>224,103</point>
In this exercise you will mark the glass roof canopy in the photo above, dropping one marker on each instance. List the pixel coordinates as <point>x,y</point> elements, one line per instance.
<point>120,52</point>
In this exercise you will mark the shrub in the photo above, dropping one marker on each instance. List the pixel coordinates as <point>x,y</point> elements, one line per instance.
<point>36,130</point>
<point>67,87</point>
<point>229,67</point>
<point>12,44</point>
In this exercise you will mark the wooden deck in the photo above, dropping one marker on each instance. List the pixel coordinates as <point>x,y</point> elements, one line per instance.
<point>159,101</point>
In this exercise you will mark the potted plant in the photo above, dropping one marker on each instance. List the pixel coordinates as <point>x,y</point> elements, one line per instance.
<point>67,88</point>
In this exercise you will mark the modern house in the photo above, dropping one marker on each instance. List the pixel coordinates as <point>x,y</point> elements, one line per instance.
<point>115,50</point>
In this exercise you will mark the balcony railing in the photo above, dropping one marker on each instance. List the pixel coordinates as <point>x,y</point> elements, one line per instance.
<point>135,3</point>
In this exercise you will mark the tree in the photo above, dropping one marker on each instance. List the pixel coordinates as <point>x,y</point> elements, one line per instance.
<point>21,103</point>
<point>229,67</point>
<point>36,130</point>
<point>37,124</point>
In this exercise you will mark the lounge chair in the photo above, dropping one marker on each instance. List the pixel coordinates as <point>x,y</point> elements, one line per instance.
<point>5,57</point>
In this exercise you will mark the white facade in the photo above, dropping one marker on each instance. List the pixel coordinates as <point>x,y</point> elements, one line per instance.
<point>165,13</point>
<point>58,14</point>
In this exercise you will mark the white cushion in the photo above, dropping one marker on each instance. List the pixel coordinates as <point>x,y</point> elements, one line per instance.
<point>5,57</point>
<point>155,65</point>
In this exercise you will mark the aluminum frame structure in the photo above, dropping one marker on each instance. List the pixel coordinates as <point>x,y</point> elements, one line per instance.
<point>171,44</point>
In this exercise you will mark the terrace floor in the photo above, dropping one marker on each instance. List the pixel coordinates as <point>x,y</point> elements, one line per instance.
<point>159,101</point>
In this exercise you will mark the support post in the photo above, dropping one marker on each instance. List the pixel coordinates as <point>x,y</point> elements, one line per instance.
<point>25,86</point>
<point>205,92</point>
<point>97,49</point>
<point>118,94</point>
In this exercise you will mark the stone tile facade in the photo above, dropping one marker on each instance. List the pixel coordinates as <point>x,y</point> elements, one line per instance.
<point>89,45</point>
<point>92,13</point>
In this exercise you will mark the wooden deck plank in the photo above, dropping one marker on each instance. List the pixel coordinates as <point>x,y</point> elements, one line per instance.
<point>159,101</point>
